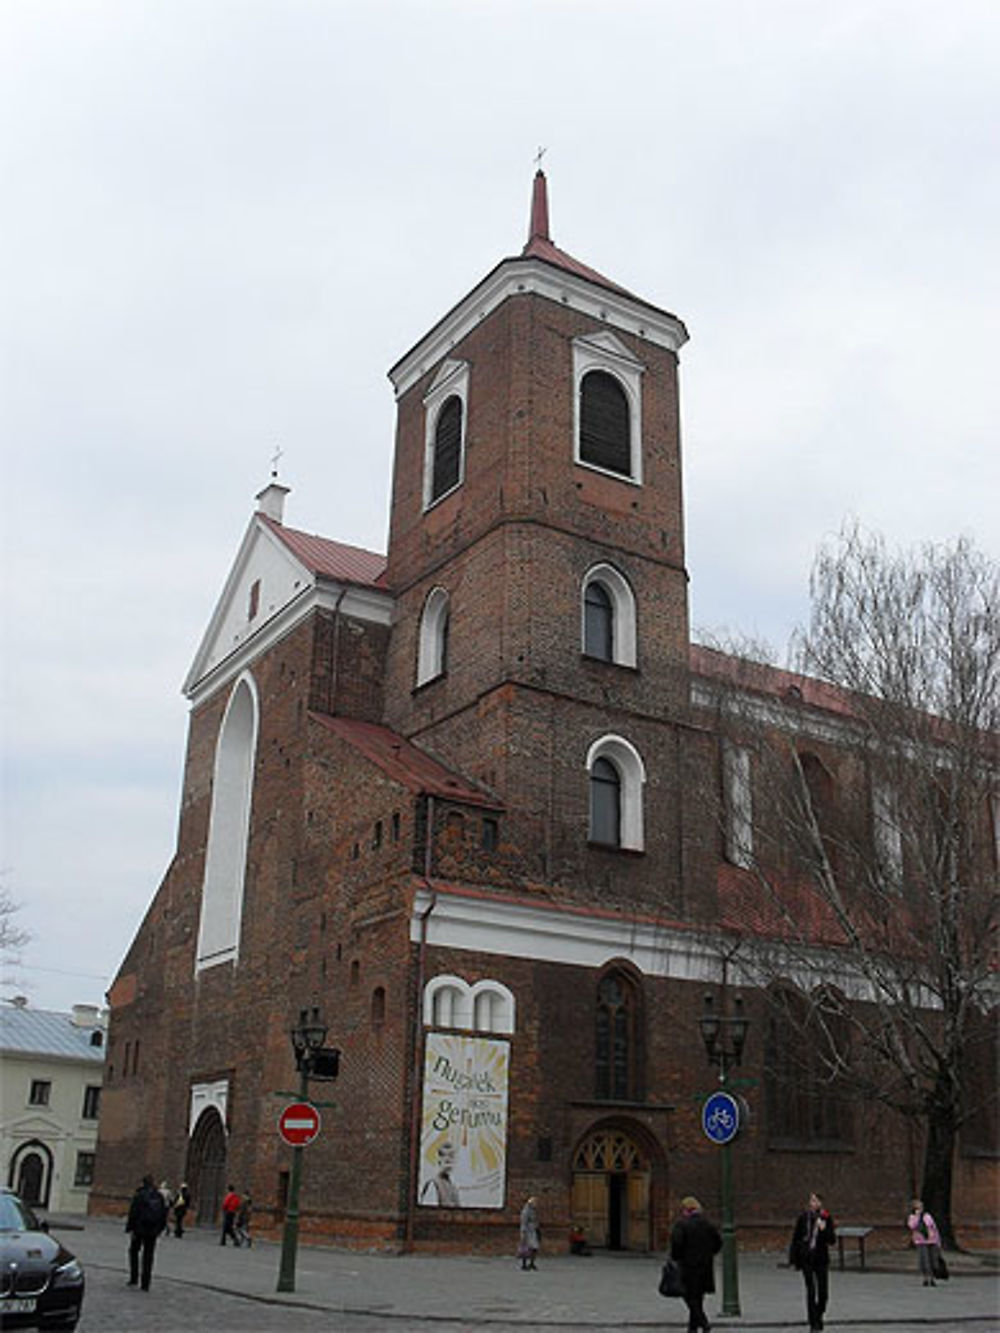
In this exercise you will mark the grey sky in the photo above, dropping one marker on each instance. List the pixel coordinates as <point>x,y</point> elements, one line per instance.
<point>223,222</point>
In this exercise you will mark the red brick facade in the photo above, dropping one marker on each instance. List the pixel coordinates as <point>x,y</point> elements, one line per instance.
<point>470,793</point>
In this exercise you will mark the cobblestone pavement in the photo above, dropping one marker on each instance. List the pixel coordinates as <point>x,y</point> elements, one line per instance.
<point>197,1285</point>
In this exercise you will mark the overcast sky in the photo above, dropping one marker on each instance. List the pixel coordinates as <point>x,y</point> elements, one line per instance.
<point>223,222</point>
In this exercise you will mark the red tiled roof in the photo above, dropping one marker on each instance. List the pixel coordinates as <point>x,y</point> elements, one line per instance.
<point>760,678</point>
<point>539,244</point>
<point>329,559</point>
<point>404,763</point>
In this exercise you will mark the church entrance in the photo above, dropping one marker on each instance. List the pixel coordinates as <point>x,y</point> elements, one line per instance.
<point>206,1168</point>
<point>611,1175</point>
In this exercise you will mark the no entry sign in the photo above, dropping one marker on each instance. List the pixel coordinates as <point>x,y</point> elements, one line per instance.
<point>298,1124</point>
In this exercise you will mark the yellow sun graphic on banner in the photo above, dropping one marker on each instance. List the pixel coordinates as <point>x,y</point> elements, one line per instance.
<point>463,1142</point>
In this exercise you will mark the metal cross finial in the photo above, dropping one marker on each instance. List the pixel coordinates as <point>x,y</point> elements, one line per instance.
<point>276,457</point>
<point>538,158</point>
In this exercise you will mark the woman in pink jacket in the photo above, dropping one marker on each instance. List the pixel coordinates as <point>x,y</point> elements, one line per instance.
<point>924,1232</point>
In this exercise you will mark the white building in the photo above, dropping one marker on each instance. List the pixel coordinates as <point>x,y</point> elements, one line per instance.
<point>51,1071</point>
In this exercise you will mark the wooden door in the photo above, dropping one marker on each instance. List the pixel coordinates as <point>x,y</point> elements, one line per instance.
<point>637,1226</point>
<point>590,1205</point>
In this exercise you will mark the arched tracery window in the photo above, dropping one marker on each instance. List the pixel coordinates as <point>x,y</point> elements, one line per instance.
<point>617,1055</point>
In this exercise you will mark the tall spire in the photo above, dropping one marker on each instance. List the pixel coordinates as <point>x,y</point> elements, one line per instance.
<point>538,228</point>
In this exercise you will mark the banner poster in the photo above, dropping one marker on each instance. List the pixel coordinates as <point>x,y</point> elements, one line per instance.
<point>463,1139</point>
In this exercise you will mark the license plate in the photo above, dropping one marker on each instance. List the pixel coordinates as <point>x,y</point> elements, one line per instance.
<point>21,1305</point>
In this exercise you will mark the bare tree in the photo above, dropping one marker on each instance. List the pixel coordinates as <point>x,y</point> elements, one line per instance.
<point>12,938</point>
<point>871,847</point>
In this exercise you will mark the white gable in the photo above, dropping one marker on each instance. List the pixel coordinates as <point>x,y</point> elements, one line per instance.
<point>263,560</point>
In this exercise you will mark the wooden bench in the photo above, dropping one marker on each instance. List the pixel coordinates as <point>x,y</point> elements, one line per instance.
<point>852,1233</point>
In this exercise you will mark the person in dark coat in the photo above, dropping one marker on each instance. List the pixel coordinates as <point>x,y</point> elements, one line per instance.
<point>147,1217</point>
<point>694,1243</point>
<point>182,1202</point>
<point>809,1252</point>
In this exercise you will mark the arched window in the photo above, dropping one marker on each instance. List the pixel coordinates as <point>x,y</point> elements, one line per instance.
<point>617,776</point>
<point>486,1006</point>
<point>608,616</point>
<point>981,1077</point>
<point>605,423</point>
<point>229,829</point>
<point>806,1058</point>
<point>447,454</point>
<point>445,414</point>
<point>617,1064</point>
<point>432,649</point>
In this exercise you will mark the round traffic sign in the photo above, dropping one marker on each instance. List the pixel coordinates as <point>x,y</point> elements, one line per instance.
<point>298,1124</point>
<point>720,1117</point>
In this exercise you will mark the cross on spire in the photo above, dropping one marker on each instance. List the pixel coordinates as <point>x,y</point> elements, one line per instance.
<point>276,457</point>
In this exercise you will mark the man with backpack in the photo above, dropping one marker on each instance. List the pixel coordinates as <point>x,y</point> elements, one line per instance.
<point>147,1217</point>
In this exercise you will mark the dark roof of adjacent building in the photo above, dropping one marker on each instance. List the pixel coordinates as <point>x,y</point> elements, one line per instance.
<point>404,763</point>
<point>330,559</point>
<point>27,1031</point>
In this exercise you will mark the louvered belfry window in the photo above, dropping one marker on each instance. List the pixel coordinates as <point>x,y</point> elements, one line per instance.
<point>447,448</point>
<point>604,423</point>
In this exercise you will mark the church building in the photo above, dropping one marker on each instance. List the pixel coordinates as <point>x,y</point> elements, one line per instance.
<point>467,804</point>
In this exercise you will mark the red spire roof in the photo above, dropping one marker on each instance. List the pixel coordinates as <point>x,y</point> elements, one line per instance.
<point>539,209</point>
<point>539,244</point>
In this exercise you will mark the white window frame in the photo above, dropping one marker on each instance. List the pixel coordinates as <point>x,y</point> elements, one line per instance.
<point>603,351</point>
<point>430,646</point>
<point>486,1006</point>
<point>451,381</point>
<point>632,771</point>
<point>623,628</point>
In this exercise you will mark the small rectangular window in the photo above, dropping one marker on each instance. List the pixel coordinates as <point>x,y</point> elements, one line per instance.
<point>253,604</point>
<point>395,826</point>
<point>41,1091</point>
<point>84,1168</point>
<point>491,835</point>
<point>377,835</point>
<point>91,1102</point>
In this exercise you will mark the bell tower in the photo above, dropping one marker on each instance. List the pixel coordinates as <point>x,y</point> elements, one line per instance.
<point>537,492</point>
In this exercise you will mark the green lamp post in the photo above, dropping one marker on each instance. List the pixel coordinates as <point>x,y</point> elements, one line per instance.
<point>725,1036</point>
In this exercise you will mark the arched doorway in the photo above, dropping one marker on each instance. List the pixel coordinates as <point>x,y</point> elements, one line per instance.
<point>611,1180</point>
<point>206,1167</point>
<point>31,1174</point>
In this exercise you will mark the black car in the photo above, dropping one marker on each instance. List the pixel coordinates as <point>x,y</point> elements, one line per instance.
<point>41,1284</point>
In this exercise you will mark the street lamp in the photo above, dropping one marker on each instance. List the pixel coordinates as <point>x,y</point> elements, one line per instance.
<point>307,1040</point>
<point>725,1036</point>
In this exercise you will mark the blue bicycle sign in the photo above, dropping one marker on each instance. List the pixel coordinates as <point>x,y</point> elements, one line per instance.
<point>720,1117</point>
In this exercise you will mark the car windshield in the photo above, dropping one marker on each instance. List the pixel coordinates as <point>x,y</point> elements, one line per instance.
<point>14,1216</point>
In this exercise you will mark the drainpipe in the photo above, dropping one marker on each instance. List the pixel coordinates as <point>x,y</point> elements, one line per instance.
<point>335,655</point>
<point>416,1081</point>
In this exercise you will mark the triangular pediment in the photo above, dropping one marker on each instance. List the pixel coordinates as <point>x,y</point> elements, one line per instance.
<point>35,1126</point>
<point>448,370</point>
<point>607,344</point>
<point>264,563</point>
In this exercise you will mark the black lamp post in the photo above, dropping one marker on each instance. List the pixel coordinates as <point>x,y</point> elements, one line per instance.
<point>725,1036</point>
<point>307,1039</point>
